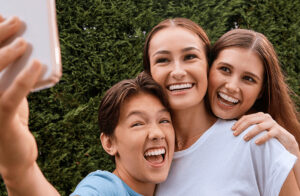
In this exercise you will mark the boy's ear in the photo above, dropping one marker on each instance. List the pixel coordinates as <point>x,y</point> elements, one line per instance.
<point>108,144</point>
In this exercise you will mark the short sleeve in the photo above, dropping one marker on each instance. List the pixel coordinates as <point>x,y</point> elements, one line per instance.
<point>272,164</point>
<point>100,183</point>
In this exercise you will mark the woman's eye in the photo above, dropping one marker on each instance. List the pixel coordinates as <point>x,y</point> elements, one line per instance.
<point>248,78</point>
<point>189,57</point>
<point>162,60</point>
<point>225,69</point>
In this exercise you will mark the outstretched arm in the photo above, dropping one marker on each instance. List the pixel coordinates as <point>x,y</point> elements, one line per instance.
<point>18,150</point>
<point>264,122</point>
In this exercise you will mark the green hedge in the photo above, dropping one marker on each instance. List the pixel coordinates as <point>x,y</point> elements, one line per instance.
<point>101,43</point>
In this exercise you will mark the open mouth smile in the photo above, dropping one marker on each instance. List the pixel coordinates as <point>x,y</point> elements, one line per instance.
<point>178,87</point>
<point>227,100</point>
<point>155,156</point>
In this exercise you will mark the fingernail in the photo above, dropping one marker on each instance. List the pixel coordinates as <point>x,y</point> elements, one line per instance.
<point>14,24</point>
<point>13,20</point>
<point>246,138</point>
<point>36,65</point>
<point>19,44</point>
<point>257,142</point>
<point>235,133</point>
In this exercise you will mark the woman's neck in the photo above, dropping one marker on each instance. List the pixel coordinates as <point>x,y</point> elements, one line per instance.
<point>190,124</point>
<point>143,188</point>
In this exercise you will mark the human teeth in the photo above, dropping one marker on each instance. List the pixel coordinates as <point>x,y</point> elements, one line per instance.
<point>227,98</point>
<point>154,152</point>
<point>179,86</point>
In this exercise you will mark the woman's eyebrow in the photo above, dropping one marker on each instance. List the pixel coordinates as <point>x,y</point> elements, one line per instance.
<point>183,50</point>
<point>190,48</point>
<point>161,52</point>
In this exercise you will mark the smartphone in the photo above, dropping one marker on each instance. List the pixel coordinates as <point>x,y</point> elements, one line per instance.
<point>41,33</point>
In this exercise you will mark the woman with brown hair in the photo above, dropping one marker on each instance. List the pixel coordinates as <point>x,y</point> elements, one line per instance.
<point>231,79</point>
<point>208,161</point>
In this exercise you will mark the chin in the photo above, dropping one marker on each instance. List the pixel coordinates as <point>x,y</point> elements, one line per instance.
<point>224,115</point>
<point>181,105</point>
<point>159,179</point>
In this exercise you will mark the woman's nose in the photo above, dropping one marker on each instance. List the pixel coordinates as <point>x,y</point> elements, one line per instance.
<point>232,85</point>
<point>178,71</point>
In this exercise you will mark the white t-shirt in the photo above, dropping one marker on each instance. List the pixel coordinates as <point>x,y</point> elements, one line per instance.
<point>220,164</point>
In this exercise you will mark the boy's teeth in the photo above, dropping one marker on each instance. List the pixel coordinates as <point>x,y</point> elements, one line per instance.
<point>153,152</point>
<point>179,86</point>
<point>227,98</point>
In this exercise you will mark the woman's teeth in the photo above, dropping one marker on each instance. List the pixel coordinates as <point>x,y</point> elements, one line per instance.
<point>228,98</point>
<point>180,86</point>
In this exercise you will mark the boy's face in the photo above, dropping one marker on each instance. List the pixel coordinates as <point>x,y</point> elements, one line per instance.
<point>144,140</point>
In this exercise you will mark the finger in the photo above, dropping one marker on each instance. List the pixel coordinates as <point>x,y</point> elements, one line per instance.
<point>267,136</point>
<point>246,121</point>
<point>11,52</point>
<point>9,27</point>
<point>245,118</point>
<point>258,129</point>
<point>20,88</point>
<point>1,18</point>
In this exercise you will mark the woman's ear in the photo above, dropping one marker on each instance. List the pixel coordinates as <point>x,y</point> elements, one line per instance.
<point>108,144</point>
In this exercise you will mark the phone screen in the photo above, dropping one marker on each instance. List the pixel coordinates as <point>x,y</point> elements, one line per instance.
<point>40,31</point>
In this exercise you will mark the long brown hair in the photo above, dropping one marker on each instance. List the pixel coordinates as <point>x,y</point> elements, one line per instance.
<point>275,98</point>
<point>180,22</point>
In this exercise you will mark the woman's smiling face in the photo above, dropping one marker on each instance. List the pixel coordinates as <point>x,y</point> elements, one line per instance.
<point>235,82</point>
<point>178,63</point>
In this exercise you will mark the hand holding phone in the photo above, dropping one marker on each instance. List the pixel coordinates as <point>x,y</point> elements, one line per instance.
<point>39,29</point>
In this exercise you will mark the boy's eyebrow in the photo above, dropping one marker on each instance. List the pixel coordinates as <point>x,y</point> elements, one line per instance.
<point>135,112</point>
<point>164,110</point>
<point>140,113</point>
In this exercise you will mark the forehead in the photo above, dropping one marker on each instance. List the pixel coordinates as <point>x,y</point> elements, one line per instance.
<point>241,58</point>
<point>141,102</point>
<point>172,37</point>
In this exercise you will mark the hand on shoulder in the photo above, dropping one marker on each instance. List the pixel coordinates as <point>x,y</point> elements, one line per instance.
<point>264,122</point>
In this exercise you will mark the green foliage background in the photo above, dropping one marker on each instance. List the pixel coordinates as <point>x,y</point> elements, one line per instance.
<point>101,44</point>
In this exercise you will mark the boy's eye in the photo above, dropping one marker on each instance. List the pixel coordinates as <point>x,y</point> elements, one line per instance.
<point>136,124</point>
<point>165,121</point>
<point>189,57</point>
